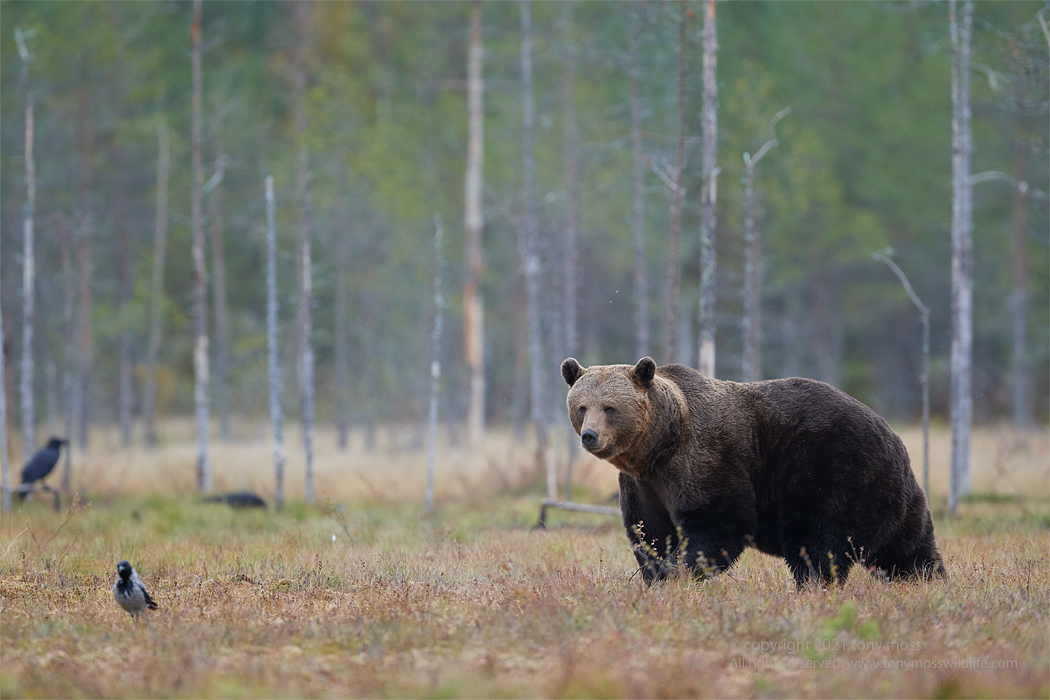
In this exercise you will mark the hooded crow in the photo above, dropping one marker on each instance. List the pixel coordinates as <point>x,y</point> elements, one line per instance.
<point>130,592</point>
<point>42,463</point>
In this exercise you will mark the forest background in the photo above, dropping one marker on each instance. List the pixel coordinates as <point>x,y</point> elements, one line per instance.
<point>863,162</point>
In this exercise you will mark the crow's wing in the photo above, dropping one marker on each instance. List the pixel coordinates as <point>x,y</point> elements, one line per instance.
<point>150,603</point>
<point>39,465</point>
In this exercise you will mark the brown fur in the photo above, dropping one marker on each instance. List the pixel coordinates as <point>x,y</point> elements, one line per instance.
<point>793,467</point>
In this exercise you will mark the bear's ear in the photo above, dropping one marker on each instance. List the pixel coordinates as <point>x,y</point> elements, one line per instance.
<point>644,371</point>
<point>571,370</point>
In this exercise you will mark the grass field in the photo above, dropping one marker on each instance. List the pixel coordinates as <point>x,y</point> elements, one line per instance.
<point>361,595</point>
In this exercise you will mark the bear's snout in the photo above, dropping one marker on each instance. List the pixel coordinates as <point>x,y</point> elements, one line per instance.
<point>589,438</point>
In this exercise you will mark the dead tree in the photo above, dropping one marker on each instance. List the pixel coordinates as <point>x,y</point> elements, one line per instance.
<point>751,323</point>
<point>276,415</point>
<point>435,363</point>
<point>924,379</point>
<point>473,309</point>
<point>570,230</point>
<point>641,275</point>
<point>85,263</point>
<point>528,249</point>
<point>306,348</point>
<point>677,194</point>
<point>342,351</point>
<point>1020,373</point>
<point>160,237</point>
<point>200,309</point>
<point>28,262</point>
<point>125,290</point>
<point>218,283</point>
<point>69,373</point>
<point>962,256</point>
<point>708,196</point>
<point>5,480</point>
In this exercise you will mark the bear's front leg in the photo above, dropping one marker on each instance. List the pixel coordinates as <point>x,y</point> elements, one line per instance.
<point>652,533</point>
<point>714,534</point>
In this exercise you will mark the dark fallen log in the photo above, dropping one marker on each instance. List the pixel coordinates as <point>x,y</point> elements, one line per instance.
<point>25,490</point>
<point>240,499</point>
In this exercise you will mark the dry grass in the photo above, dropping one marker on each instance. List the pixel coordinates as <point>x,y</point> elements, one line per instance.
<point>374,600</point>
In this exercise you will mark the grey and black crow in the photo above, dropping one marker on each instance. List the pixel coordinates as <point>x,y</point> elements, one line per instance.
<point>130,592</point>
<point>41,463</point>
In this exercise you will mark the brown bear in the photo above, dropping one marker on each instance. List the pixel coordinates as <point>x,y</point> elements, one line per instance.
<point>793,467</point>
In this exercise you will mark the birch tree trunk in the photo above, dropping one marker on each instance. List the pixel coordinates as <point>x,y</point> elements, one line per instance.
<point>85,263</point>
<point>709,196</point>
<point>306,350</point>
<point>28,262</point>
<point>200,307</point>
<point>435,363</point>
<point>125,288</point>
<point>1021,377</point>
<point>962,256</point>
<point>527,242</point>
<point>751,323</point>
<point>570,151</point>
<point>160,237</point>
<point>342,373</point>
<point>641,276</point>
<point>924,379</point>
<point>473,309</point>
<point>5,479</point>
<point>276,415</point>
<point>69,373</point>
<point>218,281</point>
<point>673,265</point>
<point>571,228</point>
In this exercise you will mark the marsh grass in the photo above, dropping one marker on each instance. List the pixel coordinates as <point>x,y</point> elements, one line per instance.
<point>361,596</point>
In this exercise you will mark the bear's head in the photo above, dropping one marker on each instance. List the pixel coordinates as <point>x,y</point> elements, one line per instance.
<point>609,405</point>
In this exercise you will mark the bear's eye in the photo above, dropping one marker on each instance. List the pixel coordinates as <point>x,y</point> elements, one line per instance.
<point>609,410</point>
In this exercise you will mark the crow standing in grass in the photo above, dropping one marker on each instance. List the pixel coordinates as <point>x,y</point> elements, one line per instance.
<point>40,465</point>
<point>130,592</point>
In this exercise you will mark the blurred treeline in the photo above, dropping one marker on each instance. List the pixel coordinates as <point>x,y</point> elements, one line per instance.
<point>864,162</point>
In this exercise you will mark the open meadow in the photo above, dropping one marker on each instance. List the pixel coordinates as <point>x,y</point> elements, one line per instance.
<point>363,595</point>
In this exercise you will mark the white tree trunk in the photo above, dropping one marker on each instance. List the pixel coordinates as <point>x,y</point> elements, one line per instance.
<point>572,216</point>
<point>276,416</point>
<point>962,256</point>
<point>751,323</point>
<point>5,480</point>
<point>200,309</point>
<point>160,237</point>
<point>306,348</point>
<point>28,268</point>
<point>677,194</point>
<point>641,275</point>
<point>435,363</point>
<point>1020,374</point>
<point>528,244</point>
<point>342,372</point>
<point>69,374</point>
<point>218,271</point>
<point>473,309</point>
<point>84,344</point>
<point>709,196</point>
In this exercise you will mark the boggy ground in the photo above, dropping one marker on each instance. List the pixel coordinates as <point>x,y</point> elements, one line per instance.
<point>369,598</point>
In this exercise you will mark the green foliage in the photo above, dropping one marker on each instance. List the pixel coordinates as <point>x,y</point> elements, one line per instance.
<point>863,162</point>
